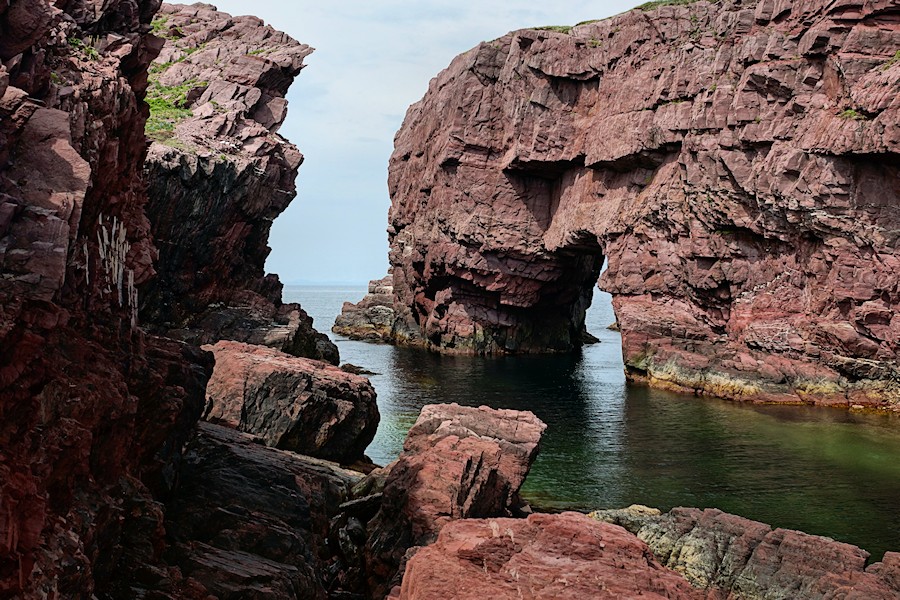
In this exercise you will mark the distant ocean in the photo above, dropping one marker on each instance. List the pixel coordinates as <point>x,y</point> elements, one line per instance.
<point>609,444</point>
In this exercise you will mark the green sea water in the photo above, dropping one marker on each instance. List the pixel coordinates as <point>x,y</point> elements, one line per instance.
<point>609,444</point>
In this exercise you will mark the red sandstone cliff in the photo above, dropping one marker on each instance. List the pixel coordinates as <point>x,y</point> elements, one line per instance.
<point>93,412</point>
<point>737,164</point>
<point>219,174</point>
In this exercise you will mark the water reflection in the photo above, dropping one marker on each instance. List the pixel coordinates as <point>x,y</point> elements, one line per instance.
<point>609,444</point>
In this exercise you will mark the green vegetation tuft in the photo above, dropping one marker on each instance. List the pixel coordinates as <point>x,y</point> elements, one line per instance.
<point>168,107</point>
<point>647,6</point>
<point>853,115</point>
<point>159,27</point>
<point>556,28</point>
<point>891,61</point>
<point>89,50</point>
<point>588,22</point>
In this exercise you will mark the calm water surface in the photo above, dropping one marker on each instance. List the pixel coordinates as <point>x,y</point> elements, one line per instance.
<point>609,444</point>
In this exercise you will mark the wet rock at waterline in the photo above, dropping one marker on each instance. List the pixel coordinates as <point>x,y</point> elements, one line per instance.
<point>373,317</point>
<point>292,403</point>
<point>735,162</point>
<point>457,462</point>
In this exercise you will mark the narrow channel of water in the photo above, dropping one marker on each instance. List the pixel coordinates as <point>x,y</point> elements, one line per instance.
<point>608,444</point>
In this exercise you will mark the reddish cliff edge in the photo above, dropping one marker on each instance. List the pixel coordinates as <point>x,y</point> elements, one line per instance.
<point>736,163</point>
<point>93,412</point>
<point>219,174</point>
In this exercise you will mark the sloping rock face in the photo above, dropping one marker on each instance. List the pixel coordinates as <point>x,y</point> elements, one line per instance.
<point>219,174</point>
<point>737,164</point>
<point>745,559</point>
<point>93,413</point>
<point>295,404</point>
<point>250,521</point>
<point>544,556</point>
<point>457,462</point>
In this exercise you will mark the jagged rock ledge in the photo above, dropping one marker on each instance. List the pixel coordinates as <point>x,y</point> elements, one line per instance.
<point>219,174</point>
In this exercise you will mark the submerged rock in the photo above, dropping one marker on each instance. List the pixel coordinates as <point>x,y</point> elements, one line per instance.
<point>544,556</point>
<point>735,162</point>
<point>295,404</point>
<point>457,462</point>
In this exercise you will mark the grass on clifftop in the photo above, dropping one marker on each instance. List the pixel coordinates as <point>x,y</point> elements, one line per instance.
<point>658,3</point>
<point>168,107</point>
<point>556,28</point>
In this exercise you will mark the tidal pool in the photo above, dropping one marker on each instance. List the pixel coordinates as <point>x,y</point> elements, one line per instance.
<point>609,444</point>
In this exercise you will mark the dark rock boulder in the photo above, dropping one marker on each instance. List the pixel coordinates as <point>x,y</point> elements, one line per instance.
<point>291,403</point>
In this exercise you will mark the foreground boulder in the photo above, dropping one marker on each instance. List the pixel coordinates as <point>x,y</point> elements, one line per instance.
<point>565,556</point>
<point>749,560</point>
<point>295,404</point>
<point>735,162</point>
<point>457,462</point>
<point>249,521</point>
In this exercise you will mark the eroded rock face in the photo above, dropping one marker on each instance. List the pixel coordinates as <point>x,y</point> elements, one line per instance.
<point>250,521</point>
<point>746,559</point>
<point>219,174</point>
<point>373,317</point>
<point>543,556</point>
<point>93,412</point>
<point>457,462</point>
<point>736,163</point>
<point>295,404</point>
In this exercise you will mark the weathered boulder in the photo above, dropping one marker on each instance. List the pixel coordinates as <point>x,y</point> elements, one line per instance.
<point>735,162</point>
<point>373,317</point>
<point>295,404</point>
<point>544,556</point>
<point>457,462</point>
<point>248,521</point>
<point>219,174</point>
<point>749,560</point>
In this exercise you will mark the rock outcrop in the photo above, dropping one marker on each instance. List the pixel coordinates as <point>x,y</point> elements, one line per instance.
<point>740,558</point>
<point>295,404</point>
<point>544,556</point>
<point>372,318</point>
<point>736,163</point>
<point>252,522</point>
<point>93,412</point>
<point>457,462</point>
<point>218,175</point>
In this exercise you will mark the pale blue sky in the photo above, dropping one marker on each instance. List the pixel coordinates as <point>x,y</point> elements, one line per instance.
<point>373,59</point>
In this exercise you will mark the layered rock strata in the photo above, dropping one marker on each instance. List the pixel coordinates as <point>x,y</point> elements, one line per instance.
<point>93,412</point>
<point>457,463</point>
<point>736,163</point>
<point>295,404</point>
<point>219,174</point>
<point>252,522</point>
<point>740,558</point>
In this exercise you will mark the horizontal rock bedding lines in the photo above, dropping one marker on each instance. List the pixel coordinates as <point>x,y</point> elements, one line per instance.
<point>736,163</point>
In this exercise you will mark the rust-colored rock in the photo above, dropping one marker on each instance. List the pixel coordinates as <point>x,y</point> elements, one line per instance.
<point>457,462</point>
<point>739,558</point>
<point>249,521</point>
<point>735,162</point>
<point>563,556</point>
<point>93,412</point>
<point>297,404</point>
<point>219,174</point>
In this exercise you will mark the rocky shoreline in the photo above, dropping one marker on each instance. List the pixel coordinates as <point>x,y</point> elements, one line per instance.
<point>170,429</point>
